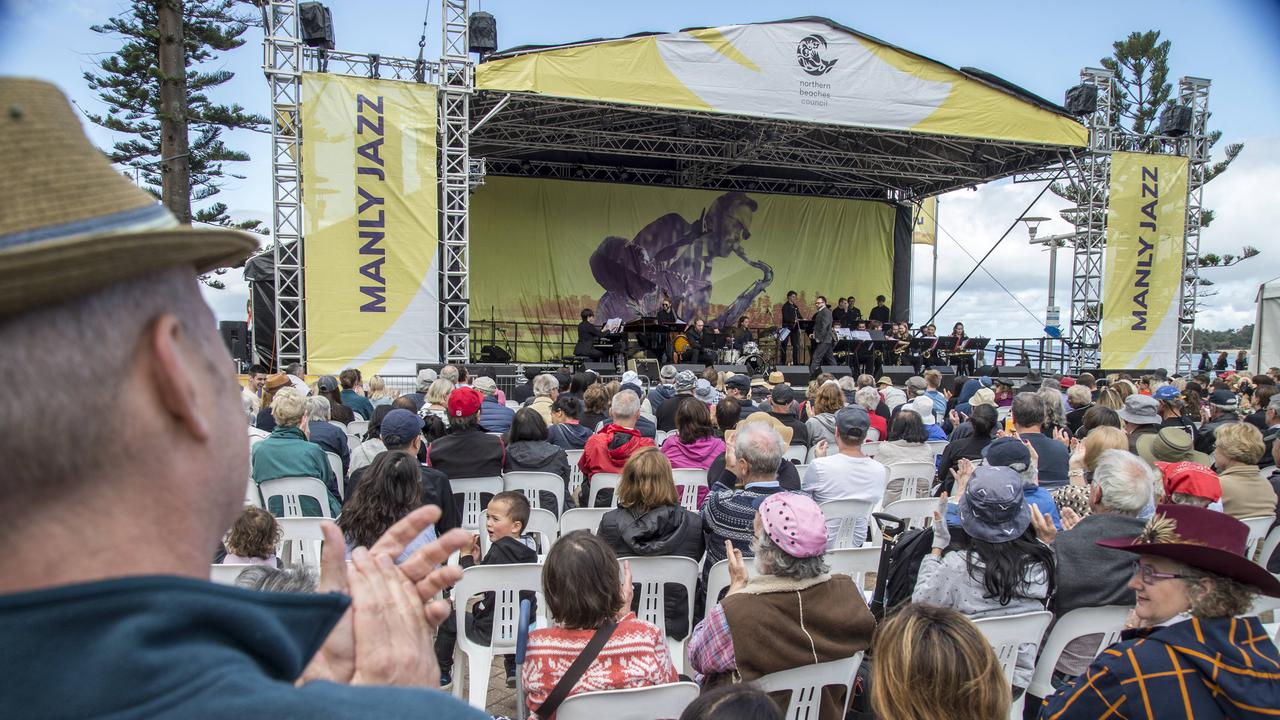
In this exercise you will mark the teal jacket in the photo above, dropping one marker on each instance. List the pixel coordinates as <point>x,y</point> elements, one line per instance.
<point>161,647</point>
<point>358,403</point>
<point>288,453</point>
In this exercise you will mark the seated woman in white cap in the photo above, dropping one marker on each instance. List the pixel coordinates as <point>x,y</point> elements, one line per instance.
<point>793,613</point>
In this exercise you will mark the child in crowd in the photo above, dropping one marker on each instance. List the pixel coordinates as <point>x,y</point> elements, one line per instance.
<point>252,539</point>
<point>506,517</point>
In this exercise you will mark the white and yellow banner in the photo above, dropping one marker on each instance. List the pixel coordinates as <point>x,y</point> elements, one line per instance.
<point>924,226</point>
<point>1142,279</point>
<point>369,224</point>
<point>808,70</point>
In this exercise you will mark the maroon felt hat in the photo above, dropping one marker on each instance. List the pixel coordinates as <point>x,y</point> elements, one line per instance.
<point>1202,538</point>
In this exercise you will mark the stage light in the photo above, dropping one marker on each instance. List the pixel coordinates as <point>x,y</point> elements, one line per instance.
<point>1082,100</point>
<point>482,33</point>
<point>1175,121</point>
<point>317,25</point>
<point>526,167</point>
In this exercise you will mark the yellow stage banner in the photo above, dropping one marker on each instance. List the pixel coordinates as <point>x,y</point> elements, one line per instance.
<point>924,229</point>
<point>1142,280</point>
<point>369,224</point>
<point>542,250</point>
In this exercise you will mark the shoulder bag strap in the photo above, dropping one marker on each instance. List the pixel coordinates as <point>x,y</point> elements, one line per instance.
<point>576,670</point>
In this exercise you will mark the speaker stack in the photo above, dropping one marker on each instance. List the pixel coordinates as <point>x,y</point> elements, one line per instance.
<point>794,375</point>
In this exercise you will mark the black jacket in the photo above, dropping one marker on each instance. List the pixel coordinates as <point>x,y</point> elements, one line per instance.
<point>436,490</point>
<point>467,453</point>
<point>540,456</point>
<point>668,530</point>
<point>665,414</point>
<point>790,316</point>
<point>588,334</point>
<point>788,476</point>
<point>879,312</point>
<point>799,433</point>
<point>506,551</point>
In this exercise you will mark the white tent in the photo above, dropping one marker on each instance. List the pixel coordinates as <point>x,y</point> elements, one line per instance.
<point>1265,352</point>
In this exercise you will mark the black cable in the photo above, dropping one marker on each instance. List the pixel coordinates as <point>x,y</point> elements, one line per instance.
<point>1012,225</point>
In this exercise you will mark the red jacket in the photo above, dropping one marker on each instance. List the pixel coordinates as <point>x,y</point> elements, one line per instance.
<point>607,451</point>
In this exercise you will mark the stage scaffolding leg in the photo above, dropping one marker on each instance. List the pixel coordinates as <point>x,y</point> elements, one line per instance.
<point>1093,177</point>
<point>455,156</point>
<point>1193,93</point>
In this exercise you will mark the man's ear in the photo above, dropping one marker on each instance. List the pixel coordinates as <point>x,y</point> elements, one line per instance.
<point>171,375</point>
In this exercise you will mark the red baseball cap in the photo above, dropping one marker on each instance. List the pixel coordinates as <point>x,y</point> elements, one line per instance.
<point>1190,478</point>
<point>1067,382</point>
<point>464,402</point>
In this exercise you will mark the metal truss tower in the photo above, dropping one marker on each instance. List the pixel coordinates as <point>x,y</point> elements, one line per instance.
<point>1193,93</point>
<point>455,182</point>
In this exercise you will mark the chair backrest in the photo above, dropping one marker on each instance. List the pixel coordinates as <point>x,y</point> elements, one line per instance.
<point>291,489</point>
<point>1107,621</point>
<point>533,484</point>
<point>797,454</point>
<point>335,464</point>
<point>652,574</point>
<point>1269,547</point>
<point>603,481</point>
<point>645,703</point>
<point>353,442</point>
<point>718,579</point>
<point>870,447</point>
<point>805,683</point>
<point>227,574</point>
<point>581,519</point>
<point>1262,604</point>
<point>919,511</point>
<point>660,436</point>
<point>913,474</point>
<point>542,523</point>
<point>937,446</point>
<point>505,582</point>
<point>300,541</point>
<point>853,515</point>
<point>873,435</point>
<point>357,427</point>
<point>855,562</point>
<point>472,508</point>
<point>687,480</point>
<point>513,404</point>
<point>1258,529</point>
<point>337,424</point>
<point>1006,633</point>
<point>575,472</point>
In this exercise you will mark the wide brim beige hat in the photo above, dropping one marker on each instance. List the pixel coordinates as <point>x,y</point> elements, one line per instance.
<point>70,223</point>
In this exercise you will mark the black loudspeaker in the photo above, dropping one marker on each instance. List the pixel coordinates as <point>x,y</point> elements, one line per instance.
<point>691,367</point>
<point>317,25</point>
<point>482,33</point>
<point>735,369</point>
<point>475,371</point>
<point>235,333</point>
<point>897,374</point>
<point>1012,371</point>
<point>795,375</point>
<point>1082,99</point>
<point>645,367</point>
<point>1175,121</point>
<point>837,371</point>
<point>494,354</point>
<point>601,368</point>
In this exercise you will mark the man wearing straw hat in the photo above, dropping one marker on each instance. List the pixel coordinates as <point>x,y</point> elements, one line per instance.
<point>105,604</point>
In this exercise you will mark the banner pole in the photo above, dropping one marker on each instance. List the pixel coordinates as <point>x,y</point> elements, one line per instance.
<point>933,293</point>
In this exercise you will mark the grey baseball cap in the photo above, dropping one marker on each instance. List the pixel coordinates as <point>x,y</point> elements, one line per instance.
<point>852,417</point>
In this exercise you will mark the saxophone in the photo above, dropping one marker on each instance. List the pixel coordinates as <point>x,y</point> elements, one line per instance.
<point>744,299</point>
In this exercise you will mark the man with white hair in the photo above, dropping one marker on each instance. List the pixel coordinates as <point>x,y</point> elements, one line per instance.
<point>328,436</point>
<point>753,455</point>
<point>607,451</point>
<point>426,376</point>
<point>546,388</point>
<point>1089,575</point>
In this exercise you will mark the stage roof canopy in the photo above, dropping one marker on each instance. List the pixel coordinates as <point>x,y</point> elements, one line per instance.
<point>804,106</point>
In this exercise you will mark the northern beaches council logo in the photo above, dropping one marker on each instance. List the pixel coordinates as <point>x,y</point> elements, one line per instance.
<point>809,55</point>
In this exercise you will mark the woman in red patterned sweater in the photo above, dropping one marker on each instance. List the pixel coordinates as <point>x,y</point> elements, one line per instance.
<point>584,591</point>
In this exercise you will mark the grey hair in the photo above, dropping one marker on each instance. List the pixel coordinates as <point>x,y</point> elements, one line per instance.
<point>1126,482</point>
<point>545,383</point>
<point>868,397</point>
<point>773,560</point>
<point>1053,412</point>
<point>761,447</point>
<point>450,373</point>
<point>1051,384</point>
<point>1274,405</point>
<point>318,408</point>
<point>624,405</point>
<point>269,579</point>
<point>847,384</point>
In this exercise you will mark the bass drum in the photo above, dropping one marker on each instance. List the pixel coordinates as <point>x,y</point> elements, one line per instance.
<point>755,364</point>
<point>680,343</point>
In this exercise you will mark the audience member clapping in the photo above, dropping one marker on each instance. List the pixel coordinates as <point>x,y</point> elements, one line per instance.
<point>968,442</point>
<point>1052,455</point>
<point>753,455</point>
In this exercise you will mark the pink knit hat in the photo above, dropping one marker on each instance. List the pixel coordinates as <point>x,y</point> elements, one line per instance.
<point>795,523</point>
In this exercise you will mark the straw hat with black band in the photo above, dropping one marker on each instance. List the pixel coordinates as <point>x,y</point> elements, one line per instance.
<point>70,223</point>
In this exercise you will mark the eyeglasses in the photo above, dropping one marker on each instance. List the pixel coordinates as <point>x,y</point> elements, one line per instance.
<point>1150,575</point>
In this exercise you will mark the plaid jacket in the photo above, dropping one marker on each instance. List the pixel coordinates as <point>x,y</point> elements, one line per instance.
<point>1198,668</point>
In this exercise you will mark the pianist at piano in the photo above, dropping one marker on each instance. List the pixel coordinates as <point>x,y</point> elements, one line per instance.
<point>588,336</point>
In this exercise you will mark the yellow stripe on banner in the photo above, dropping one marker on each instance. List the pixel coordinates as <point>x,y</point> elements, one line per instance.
<point>717,40</point>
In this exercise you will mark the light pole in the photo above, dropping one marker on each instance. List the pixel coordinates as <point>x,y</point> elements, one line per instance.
<point>1052,315</point>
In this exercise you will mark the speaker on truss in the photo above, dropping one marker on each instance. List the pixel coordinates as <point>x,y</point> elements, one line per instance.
<point>316,24</point>
<point>794,375</point>
<point>235,333</point>
<point>1175,121</point>
<point>482,33</point>
<point>1082,99</point>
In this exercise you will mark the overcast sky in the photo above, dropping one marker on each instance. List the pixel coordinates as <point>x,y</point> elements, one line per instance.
<point>1035,45</point>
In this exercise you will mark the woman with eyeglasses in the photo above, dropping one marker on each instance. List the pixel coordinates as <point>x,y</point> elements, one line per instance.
<point>1194,648</point>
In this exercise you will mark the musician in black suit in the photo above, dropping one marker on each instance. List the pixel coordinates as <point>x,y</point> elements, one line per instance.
<point>588,336</point>
<point>790,321</point>
<point>852,313</point>
<point>699,344</point>
<point>662,342</point>
<point>824,337</point>
<point>880,311</point>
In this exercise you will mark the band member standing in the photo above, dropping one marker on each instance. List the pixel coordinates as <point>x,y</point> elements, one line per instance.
<point>961,357</point>
<point>823,337</point>
<point>791,322</point>
<point>840,316</point>
<point>588,336</point>
<point>698,352</point>
<point>853,312</point>
<point>880,311</point>
<point>662,342</point>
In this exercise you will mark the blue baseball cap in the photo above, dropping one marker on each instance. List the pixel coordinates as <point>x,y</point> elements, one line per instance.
<point>1007,452</point>
<point>399,427</point>
<point>1166,392</point>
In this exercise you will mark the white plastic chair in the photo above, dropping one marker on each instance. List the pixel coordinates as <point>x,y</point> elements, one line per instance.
<point>646,703</point>
<point>338,425</point>
<point>1005,634</point>
<point>911,474</point>
<point>542,523</point>
<point>688,480</point>
<point>937,446</point>
<point>1269,547</point>
<point>856,563</point>
<point>918,511</point>
<point>652,574</point>
<point>512,404</point>
<point>353,442</point>
<point>291,490</point>
<point>358,427</point>
<point>581,519</point>
<point>796,454</point>
<point>805,683</point>
<point>873,435</point>
<point>533,484</point>
<point>472,508</point>
<point>227,574</point>
<point>575,472</point>
<point>854,515</point>
<point>1258,529</point>
<point>801,470</point>
<point>660,436</point>
<point>604,481</point>
<point>718,579</point>
<point>1107,621</point>
<point>1263,604</point>
<point>251,496</point>
<point>335,464</point>
<point>300,541</point>
<point>870,447</point>
<point>505,582</point>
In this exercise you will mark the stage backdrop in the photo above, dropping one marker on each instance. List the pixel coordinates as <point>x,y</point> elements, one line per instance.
<point>542,250</point>
<point>369,224</point>
<point>1142,279</point>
